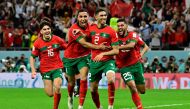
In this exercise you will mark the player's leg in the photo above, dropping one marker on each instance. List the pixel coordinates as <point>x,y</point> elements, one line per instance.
<point>83,85</point>
<point>141,88</point>
<point>110,69</point>
<point>48,87</point>
<point>140,81</point>
<point>71,84</point>
<point>57,82</point>
<point>127,74</point>
<point>48,83</point>
<point>95,77</point>
<point>95,94</point>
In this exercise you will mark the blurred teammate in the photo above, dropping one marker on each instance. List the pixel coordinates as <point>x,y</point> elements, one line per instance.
<point>47,48</point>
<point>76,56</point>
<point>128,61</point>
<point>102,60</point>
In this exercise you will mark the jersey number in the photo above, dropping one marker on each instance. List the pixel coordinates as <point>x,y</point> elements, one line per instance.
<point>96,40</point>
<point>50,52</point>
<point>127,76</point>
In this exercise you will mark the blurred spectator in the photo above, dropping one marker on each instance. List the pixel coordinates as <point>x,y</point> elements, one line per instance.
<point>172,66</point>
<point>145,32</point>
<point>181,68</point>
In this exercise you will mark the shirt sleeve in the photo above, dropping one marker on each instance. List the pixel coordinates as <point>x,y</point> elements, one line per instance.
<point>114,38</point>
<point>62,42</point>
<point>140,41</point>
<point>76,37</point>
<point>35,51</point>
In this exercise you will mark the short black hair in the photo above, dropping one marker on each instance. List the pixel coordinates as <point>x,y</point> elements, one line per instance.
<point>121,20</point>
<point>99,10</point>
<point>44,23</point>
<point>81,10</point>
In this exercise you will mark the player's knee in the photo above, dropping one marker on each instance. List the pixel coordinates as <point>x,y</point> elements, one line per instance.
<point>50,94</point>
<point>133,88</point>
<point>142,91</point>
<point>111,77</point>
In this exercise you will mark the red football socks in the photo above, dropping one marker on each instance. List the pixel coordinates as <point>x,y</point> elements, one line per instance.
<point>111,93</point>
<point>82,92</point>
<point>57,98</point>
<point>137,100</point>
<point>70,90</point>
<point>95,98</point>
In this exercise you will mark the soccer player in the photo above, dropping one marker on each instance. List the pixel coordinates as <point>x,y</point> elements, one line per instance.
<point>47,48</point>
<point>128,61</point>
<point>102,61</point>
<point>76,56</point>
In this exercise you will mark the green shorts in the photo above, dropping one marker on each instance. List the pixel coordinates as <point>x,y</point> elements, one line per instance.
<point>73,66</point>
<point>97,68</point>
<point>134,72</point>
<point>51,75</point>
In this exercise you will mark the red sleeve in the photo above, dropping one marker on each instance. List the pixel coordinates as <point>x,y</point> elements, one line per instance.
<point>35,50</point>
<point>74,36</point>
<point>114,38</point>
<point>62,43</point>
<point>140,41</point>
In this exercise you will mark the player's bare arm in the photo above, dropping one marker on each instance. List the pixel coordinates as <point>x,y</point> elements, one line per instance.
<point>114,51</point>
<point>144,50</point>
<point>32,62</point>
<point>86,44</point>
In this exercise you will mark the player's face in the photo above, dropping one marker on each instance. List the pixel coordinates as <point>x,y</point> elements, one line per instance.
<point>101,17</point>
<point>83,19</point>
<point>122,27</point>
<point>46,32</point>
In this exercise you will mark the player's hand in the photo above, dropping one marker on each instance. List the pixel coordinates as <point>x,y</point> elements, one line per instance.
<point>98,57</point>
<point>33,75</point>
<point>104,47</point>
<point>76,31</point>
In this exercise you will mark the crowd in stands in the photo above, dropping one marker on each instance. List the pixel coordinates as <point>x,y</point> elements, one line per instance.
<point>162,24</point>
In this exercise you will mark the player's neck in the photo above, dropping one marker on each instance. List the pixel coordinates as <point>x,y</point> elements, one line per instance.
<point>100,26</point>
<point>82,27</point>
<point>47,39</point>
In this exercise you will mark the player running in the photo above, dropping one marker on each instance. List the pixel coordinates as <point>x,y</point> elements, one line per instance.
<point>128,61</point>
<point>76,56</point>
<point>47,48</point>
<point>102,61</point>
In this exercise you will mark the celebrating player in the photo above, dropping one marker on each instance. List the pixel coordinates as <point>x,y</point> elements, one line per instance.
<point>102,61</point>
<point>128,61</point>
<point>76,56</point>
<point>47,48</point>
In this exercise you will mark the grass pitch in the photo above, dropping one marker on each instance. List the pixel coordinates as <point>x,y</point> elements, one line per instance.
<point>36,99</point>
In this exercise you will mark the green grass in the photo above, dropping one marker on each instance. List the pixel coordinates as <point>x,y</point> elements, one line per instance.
<point>36,99</point>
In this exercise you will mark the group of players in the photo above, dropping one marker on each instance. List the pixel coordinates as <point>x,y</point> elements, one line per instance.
<point>92,49</point>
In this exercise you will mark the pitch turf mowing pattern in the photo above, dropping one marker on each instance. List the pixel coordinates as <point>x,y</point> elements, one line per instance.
<point>36,99</point>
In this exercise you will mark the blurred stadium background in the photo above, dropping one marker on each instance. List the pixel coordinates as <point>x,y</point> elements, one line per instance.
<point>163,24</point>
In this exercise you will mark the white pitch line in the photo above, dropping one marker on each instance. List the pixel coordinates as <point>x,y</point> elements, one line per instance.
<point>156,106</point>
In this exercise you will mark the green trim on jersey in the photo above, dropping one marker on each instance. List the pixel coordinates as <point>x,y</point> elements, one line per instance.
<point>104,35</point>
<point>80,37</point>
<point>43,48</point>
<point>115,43</point>
<point>120,41</point>
<point>55,46</point>
<point>92,33</point>
<point>133,40</point>
<point>33,56</point>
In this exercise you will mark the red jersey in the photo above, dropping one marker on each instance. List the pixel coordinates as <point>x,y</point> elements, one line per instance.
<point>138,46</point>
<point>127,57</point>
<point>104,35</point>
<point>49,53</point>
<point>74,48</point>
